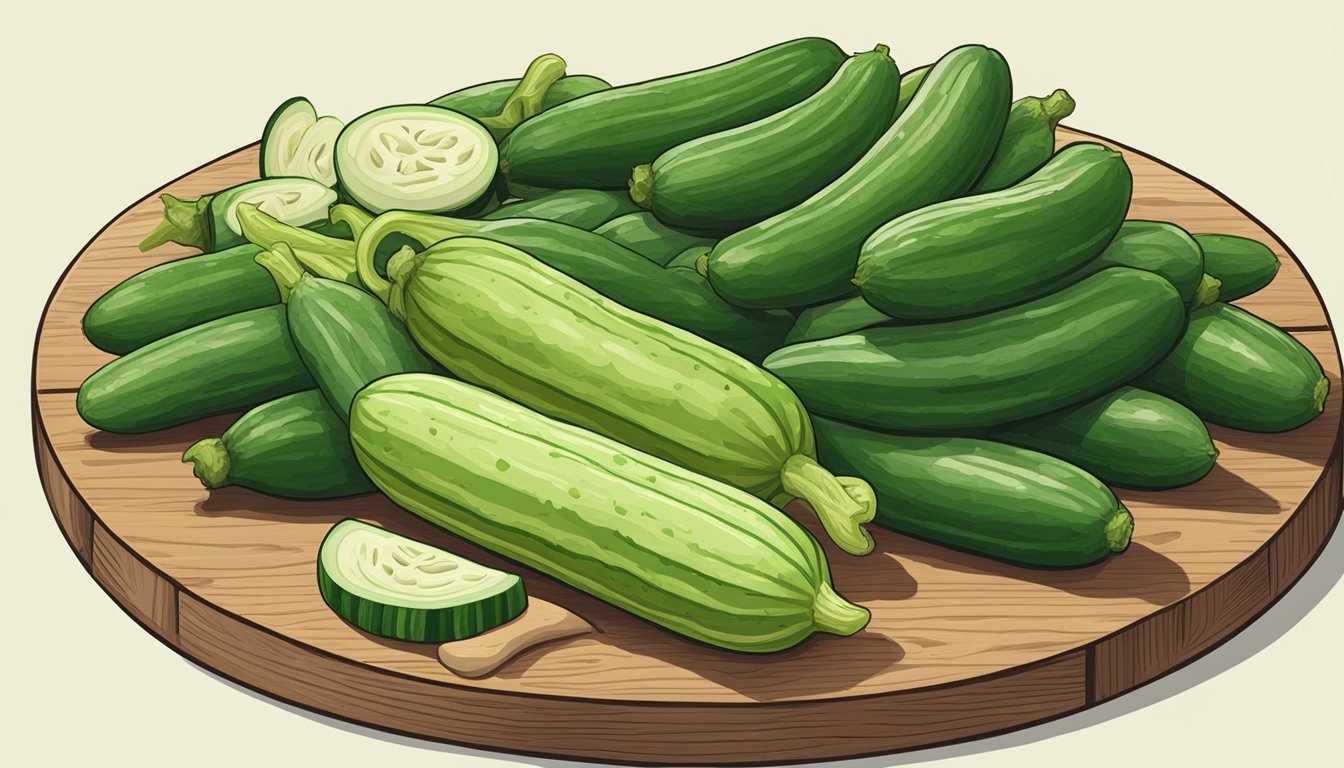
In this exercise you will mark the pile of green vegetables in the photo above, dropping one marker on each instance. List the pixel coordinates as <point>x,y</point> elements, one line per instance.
<point>606,332</point>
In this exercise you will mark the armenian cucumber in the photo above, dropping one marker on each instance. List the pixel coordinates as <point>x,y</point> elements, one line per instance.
<point>1243,265</point>
<point>722,182</point>
<point>644,234</point>
<point>993,369</point>
<point>688,553</point>
<point>582,208</point>
<point>594,141</point>
<point>224,365</point>
<point>487,99</point>
<point>980,253</point>
<point>982,497</point>
<point>497,317</point>
<point>934,151</point>
<point>294,446</point>
<point>1128,437</point>
<point>1236,370</point>
<point>1028,140</point>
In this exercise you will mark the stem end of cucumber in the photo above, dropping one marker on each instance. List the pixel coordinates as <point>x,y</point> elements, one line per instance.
<point>184,222</point>
<point>1057,106</point>
<point>702,264</point>
<point>1119,529</point>
<point>1318,394</point>
<point>283,266</point>
<point>641,185</point>
<point>882,49</point>
<point>1207,291</point>
<point>836,615</point>
<point>210,458</point>
<point>842,504</point>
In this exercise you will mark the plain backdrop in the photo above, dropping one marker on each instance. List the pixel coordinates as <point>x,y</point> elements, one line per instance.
<point>103,103</point>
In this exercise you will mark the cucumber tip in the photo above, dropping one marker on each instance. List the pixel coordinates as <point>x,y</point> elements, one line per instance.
<point>210,460</point>
<point>1120,529</point>
<point>836,615</point>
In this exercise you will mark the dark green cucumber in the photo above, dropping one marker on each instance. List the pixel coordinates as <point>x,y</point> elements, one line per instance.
<point>487,99</point>
<point>1156,246</point>
<point>910,82</point>
<point>582,208</point>
<point>1236,370</point>
<point>933,152</point>
<point>644,234</point>
<point>835,318</point>
<point>1028,140</point>
<point>980,253</point>
<point>1128,437</point>
<point>1243,265</point>
<point>224,365</point>
<point>595,141</point>
<point>688,258</point>
<point>993,369</point>
<point>294,446</point>
<point>719,183</point>
<point>982,497</point>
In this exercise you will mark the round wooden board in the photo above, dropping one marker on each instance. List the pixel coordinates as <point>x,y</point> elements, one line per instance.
<point>958,647</point>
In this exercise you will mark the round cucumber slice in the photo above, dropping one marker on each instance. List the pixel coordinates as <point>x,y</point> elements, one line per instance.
<point>293,200</point>
<point>415,158</point>
<point>396,587</point>
<point>296,142</point>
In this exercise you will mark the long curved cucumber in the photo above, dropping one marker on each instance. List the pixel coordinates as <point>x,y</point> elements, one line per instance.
<point>719,183</point>
<point>983,497</point>
<point>1028,140</point>
<point>582,208</point>
<point>644,234</point>
<point>294,446</point>
<point>487,99</point>
<point>993,369</point>
<point>1241,264</point>
<point>980,253</point>
<point>1236,370</point>
<point>934,151</point>
<point>594,141</point>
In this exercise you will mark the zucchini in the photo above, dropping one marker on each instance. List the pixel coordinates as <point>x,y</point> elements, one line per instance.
<point>719,183</point>
<point>497,317</point>
<point>393,586</point>
<point>415,157</point>
<point>294,446</point>
<point>224,365</point>
<point>683,551</point>
<point>934,151</point>
<point>1241,264</point>
<point>1005,366</point>
<point>1236,370</point>
<point>296,142</point>
<point>1128,437</point>
<point>595,141</point>
<point>644,234</point>
<point>487,99</point>
<point>211,222</point>
<point>984,252</point>
<point>1028,140</point>
<point>582,208</point>
<point>982,497</point>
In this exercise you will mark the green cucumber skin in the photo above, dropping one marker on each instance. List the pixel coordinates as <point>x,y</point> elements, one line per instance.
<point>294,447</point>
<point>177,295</point>
<point>595,141</point>
<point>678,297</point>
<point>644,234</point>
<point>687,258</point>
<point>347,338</point>
<point>933,152</point>
<point>983,371</point>
<point>978,496</point>
<point>723,182</point>
<point>910,82</point>
<point>1028,140</point>
<point>1159,247</point>
<point>487,99</point>
<point>582,208</point>
<point>984,252</point>
<point>1129,437</point>
<point>835,318</point>
<point>1243,265</point>
<point>680,550</point>
<point>224,365</point>
<point>1238,371</point>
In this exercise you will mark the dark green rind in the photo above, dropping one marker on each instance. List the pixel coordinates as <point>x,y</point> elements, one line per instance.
<point>1238,371</point>
<point>1028,140</point>
<point>910,82</point>
<point>834,319</point>
<point>723,182</point>
<point>224,365</point>
<point>644,234</point>
<point>582,208</point>
<point>595,141</point>
<point>1159,247</point>
<point>982,497</point>
<point>983,371</point>
<point>933,152</point>
<point>984,252</point>
<point>1128,437</point>
<point>1243,265</point>
<point>487,99</point>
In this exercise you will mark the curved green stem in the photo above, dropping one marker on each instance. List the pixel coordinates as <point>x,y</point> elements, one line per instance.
<point>284,268</point>
<point>210,462</point>
<point>1057,106</point>
<point>836,615</point>
<point>842,506</point>
<point>185,222</point>
<point>527,96</point>
<point>329,257</point>
<point>354,218</point>
<point>424,228</point>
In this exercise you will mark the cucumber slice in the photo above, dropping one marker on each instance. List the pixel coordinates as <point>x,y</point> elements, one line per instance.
<point>293,200</point>
<point>296,142</point>
<point>415,158</point>
<point>392,586</point>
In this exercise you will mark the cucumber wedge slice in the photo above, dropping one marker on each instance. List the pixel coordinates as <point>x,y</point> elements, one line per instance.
<point>392,586</point>
<point>415,158</point>
<point>296,142</point>
<point>293,200</point>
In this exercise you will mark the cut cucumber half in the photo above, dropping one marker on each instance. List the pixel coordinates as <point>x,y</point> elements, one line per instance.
<point>415,158</point>
<point>293,200</point>
<point>392,586</point>
<point>296,142</point>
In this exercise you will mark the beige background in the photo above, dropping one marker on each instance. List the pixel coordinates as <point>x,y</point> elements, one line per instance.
<point>102,104</point>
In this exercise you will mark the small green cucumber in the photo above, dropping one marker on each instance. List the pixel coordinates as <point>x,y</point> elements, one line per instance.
<point>1028,140</point>
<point>1243,265</point>
<point>487,99</point>
<point>644,234</point>
<point>582,208</point>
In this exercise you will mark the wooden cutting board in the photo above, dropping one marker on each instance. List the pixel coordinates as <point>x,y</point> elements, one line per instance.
<point>958,646</point>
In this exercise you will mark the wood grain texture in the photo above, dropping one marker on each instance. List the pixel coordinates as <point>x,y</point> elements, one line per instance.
<point>958,646</point>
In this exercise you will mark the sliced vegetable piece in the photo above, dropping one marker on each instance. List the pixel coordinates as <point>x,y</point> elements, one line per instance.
<point>296,142</point>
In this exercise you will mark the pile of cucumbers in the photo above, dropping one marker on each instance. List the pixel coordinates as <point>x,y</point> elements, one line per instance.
<point>608,332</point>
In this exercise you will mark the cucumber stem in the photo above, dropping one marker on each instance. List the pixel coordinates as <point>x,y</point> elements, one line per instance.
<point>1319,393</point>
<point>882,49</point>
<point>641,185</point>
<point>354,218</point>
<point>424,228</point>
<point>399,270</point>
<point>842,505</point>
<point>1119,529</point>
<point>210,460</point>
<point>185,222</point>
<point>702,264</point>
<point>1057,106</point>
<point>284,268</point>
<point>526,99</point>
<point>836,615</point>
<point>1206,292</point>
<point>329,257</point>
